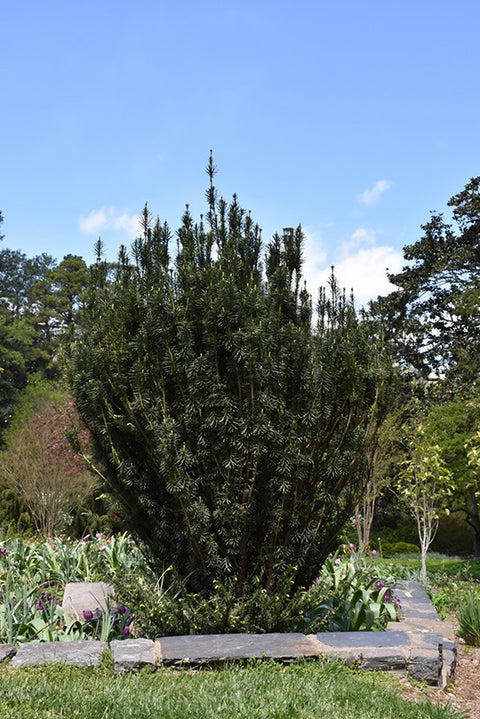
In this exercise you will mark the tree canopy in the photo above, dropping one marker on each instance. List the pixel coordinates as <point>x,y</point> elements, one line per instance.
<point>232,430</point>
<point>434,315</point>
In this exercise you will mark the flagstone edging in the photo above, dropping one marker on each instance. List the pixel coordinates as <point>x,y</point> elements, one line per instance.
<point>420,645</point>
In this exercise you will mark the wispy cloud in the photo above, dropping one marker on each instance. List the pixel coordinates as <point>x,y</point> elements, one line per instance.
<point>361,237</point>
<point>370,197</point>
<point>108,218</point>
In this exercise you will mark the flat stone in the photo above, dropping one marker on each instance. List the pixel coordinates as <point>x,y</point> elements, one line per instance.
<point>429,640</point>
<point>7,651</point>
<point>78,652</point>
<point>424,616</point>
<point>412,593</point>
<point>134,654</point>
<point>427,627</point>
<point>363,639</point>
<point>88,596</point>
<point>378,658</point>
<point>203,649</point>
<point>425,665</point>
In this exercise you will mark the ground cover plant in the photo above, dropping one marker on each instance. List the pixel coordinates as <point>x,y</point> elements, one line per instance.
<point>440,567</point>
<point>350,593</point>
<point>259,690</point>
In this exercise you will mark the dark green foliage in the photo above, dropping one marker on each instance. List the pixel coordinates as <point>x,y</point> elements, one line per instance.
<point>453,536</point>
<point>16,338</point>
<point>172,610</point>
<point>232,432</point>
<point>435,313</point>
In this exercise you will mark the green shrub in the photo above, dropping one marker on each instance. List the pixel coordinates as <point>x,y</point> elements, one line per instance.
<point>389,549</point>
<point>233,429</point>
<point>468,617</point>
<point>162,610</point>
<point>349,595</point>
<point>453,537</point>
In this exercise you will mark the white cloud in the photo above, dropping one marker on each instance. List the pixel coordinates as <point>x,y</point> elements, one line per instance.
<point>365,271</point>
<point>108,218</point>
<point>369,197</point>
<point>314,261</point>
<point>358,264</point>
<point>360,237</point>
<point>364,236</point>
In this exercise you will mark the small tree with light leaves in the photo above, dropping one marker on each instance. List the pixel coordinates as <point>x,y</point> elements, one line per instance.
<point>425,483</point>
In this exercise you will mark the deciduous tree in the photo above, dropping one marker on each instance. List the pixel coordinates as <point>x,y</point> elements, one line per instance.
<point>425,483</point>
<point>39,465</point>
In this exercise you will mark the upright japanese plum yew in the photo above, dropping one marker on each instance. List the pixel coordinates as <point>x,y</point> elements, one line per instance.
<point>231,427</point>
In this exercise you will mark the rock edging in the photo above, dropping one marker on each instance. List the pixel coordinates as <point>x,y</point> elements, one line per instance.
<point>420,645</point>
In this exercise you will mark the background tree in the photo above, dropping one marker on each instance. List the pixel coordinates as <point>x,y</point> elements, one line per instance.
<point>38,464</point>
<point>233,433</point>
<point>454,425</point>
<point>16,338</point>
<point>383,455</point>
<point>18,276</point>
<point>435,313</point>
<point>425,483</point>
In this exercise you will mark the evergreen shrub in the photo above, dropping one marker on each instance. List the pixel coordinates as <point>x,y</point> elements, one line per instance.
<point>232,428</point>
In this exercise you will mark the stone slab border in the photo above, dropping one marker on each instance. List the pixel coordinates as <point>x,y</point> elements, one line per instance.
<point>420,645</point>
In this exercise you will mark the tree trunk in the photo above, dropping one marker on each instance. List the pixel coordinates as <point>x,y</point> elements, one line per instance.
<point>475,524</point>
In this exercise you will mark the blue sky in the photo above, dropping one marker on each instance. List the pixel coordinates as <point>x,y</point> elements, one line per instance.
<point>355,119</point>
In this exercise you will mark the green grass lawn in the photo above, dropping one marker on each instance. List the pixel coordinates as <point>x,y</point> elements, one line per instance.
<point>437,564</point>
<point>261,690</point>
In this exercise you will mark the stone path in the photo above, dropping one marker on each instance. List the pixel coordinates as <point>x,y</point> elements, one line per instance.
<point>420,645</point>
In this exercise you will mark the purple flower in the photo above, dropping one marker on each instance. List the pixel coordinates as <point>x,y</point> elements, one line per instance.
<point>352,546</point>
<point>126,630</point>
<point>121,609</point>
<point>3,550</point>
<point>102,549</point>
<point>337,561</point>
<point>87,614</point>
<point>374,553</point>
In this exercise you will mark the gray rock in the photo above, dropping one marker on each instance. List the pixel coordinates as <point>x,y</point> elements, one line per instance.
<point>86,596</point>
<point>79,653</point>
<point>377,659</point>
<point>425,665</point>
<point>448,667</point>
<point>363,639</point>
<point>7,651</point>
<point>203,649</point>
<point>427,640</point>
<point>134,654</point>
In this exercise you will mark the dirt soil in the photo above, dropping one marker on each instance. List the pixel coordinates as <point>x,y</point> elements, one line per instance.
<point>463,691</point>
